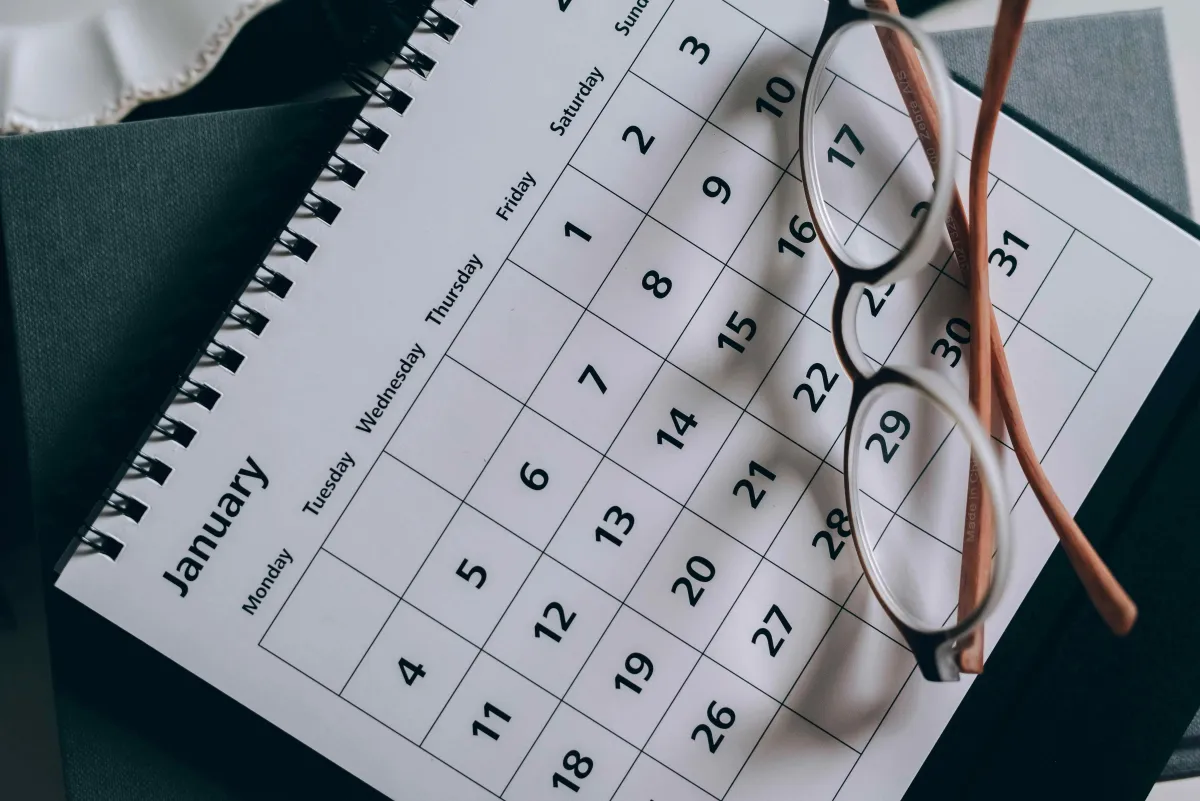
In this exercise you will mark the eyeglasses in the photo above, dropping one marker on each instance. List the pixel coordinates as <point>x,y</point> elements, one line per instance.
<point>942,649</point>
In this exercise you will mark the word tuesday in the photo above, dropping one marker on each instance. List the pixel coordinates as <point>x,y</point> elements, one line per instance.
<point>561,125</point>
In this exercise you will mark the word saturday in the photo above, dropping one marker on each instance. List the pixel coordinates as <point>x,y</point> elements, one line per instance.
<point>569,113</point>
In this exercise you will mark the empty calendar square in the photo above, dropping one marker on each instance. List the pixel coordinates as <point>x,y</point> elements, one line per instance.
<point>806,396</point>
<point>815,544</point>
<point>391,525</point>
<point>674,433</point>
<point>695,52</point>
<point>782,254</point>
<point>650,779</point>
<point>573,754</point>
<point>692,581</point>
<point>533,479</point>
<point>851,681</point>
<point>576,236</point>
<point>656,287</point>
<point>794,753</point>
<point>716,192</point>
<point>753,484</point>
<point>636,144</point>
<point>552,625</point>
<point>613,529</point>
<point>595,381</point>
<point>711,728</point>
<point>453,428</point>
<point>922,572</point>
<point>772,630</point>
<point>1048,382</point>
<point>864,139</point>
<point>328,621</point>
<point>629,681</point>
<point>472,574</point>
<point>1085,300</point>
<point>734,338</point>
<point>515,331</point>
<point>490,723</point>
<point>761,109</point>
<point>1024,241</point>
<point>410,672</point>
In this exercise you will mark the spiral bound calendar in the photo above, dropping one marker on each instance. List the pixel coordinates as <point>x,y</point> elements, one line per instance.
<point>476,490</point>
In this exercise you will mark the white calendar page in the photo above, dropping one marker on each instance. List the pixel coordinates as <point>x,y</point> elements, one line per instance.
<point>551,537</point>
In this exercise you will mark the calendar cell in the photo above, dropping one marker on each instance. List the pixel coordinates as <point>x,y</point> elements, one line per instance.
<point>656,287</point>
<point>472,575</point>
<point>1048,383</point>
<point>815,545</point>
<point>391,525</point>
<point>1024,241</point>
<point>490,723</point>
<point>533,479</point>
<point>1085,300</point>
<point>772,630</point>
<point>711,728</point>
<point>761,109</point>
<point>576,236</point>
<point>753,484</point>
<point>674,433</point>
<point>922,571</point>
<point>410,672</point>
<point>552,626</point>
<point>595,381</point>
<point>734,338</point>
<point>860,141</point>
<point>713,196</point>
<point>851,681</point>
<point>613,529</point>
<point>329,620</point>
<point>883,312</point>
<point>638,141</point>
<point>573,754</point>
<point>794,753</point>
<point>693,580</point>
<point>515,331</point>
<point>782,253</point>
<point>630,679</point>
<point>806,395</point>
<point>649,779</point>
<point>695,52</point>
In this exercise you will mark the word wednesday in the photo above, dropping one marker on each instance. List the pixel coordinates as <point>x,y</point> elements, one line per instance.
<point>515,193</point>
<point>383,400</point>
<point>561,125</point>
<point>273,570</point>
<point>230,506</point>
<point>339,468</point>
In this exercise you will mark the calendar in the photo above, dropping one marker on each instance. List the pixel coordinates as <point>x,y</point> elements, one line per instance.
<point>530,487</point>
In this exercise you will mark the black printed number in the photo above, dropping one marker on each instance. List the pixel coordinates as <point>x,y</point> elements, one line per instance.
<point>744,328</point>
<point>563,5</point>
<point>701,570</point>
<point>579,765</point>
<point>1005,258</point>
<point>564,622</point>
<point>697,46</point>
<point>802,232</point>
<point>573,229</point>
<point>716,187</point>
<point>469,576</point>
<point>478,728</point>
<point>722,718</point>
<point>535,479</point>
<point>643,144</point>
<point>838,523</point>
<point>958,330</point>
<point>847,132</point>
<point>618,518</point>
<point>891,422</point>
<point>827,382</point>
<point>755,499</point>
<point>682,423</point>
<point>590,371</point>
<point>660,285</point>
<point>773,646</point>
<point>781,91</point>
<point>876,308</point>
<point>638,666</point>
<point>410,672</point>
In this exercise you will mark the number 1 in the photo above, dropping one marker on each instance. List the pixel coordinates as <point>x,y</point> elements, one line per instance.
<point>572,228</point>
<point>591,371</point>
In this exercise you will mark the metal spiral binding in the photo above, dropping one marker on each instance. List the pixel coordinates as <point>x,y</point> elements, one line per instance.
<point>121,506</point>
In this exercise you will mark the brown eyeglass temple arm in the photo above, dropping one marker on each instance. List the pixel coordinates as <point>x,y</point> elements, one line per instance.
<point>1106,594</point>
